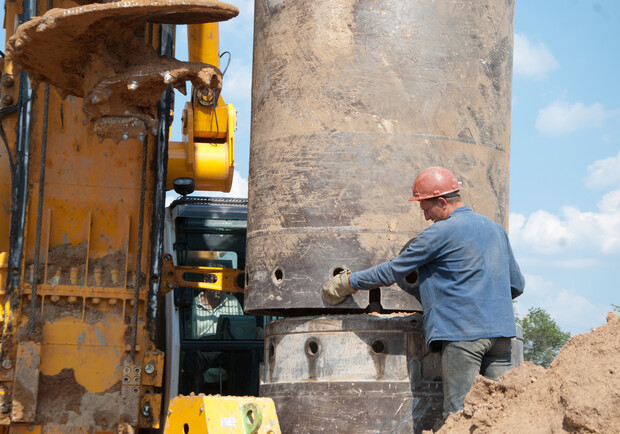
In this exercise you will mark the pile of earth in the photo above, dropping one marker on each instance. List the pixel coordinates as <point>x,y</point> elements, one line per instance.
<point>578,393</point>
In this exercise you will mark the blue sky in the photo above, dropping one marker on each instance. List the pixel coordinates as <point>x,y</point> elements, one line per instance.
<point>565,149</point>
<point>565,159</point>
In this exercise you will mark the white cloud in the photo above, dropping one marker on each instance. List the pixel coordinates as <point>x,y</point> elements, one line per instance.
<point>542,231</point>
<point>530,60</point>
<point>571,311</point>
<point>560,117</point>
<point>604,173</point>
<point>573,231</point>
<point>237,82</point>
<point>610,203</point>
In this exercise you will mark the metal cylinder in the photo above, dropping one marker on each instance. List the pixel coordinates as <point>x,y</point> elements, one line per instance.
<point>350,100</point>
<point>351,373</point>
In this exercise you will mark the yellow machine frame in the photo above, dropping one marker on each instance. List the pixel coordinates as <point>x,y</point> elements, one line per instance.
<point>207,150</point>
<point>82,355</point>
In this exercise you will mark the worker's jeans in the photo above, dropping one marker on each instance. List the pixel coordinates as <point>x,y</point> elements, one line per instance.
<point>461,361</point>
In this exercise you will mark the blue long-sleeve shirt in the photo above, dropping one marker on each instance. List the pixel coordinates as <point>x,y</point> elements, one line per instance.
<point>468,277</point>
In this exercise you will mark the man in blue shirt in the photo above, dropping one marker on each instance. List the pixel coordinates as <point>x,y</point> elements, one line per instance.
<point>468,277</point>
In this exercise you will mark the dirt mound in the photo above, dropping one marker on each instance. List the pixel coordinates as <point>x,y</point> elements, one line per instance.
<point>580,392</point>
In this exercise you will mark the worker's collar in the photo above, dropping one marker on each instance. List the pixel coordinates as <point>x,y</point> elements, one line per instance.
<point>460,209</point>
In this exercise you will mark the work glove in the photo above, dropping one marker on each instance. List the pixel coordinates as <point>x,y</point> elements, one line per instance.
<point>338,288</point>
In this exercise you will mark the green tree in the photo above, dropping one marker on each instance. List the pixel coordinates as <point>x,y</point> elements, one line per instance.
<point>542,338</point>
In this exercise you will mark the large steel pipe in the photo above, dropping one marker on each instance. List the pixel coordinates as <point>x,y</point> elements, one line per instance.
<point>350,100</point>
<point>351,373</point>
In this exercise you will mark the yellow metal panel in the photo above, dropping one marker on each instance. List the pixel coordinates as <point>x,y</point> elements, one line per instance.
<point>153,371</point>
<point>222,414</point>
<point>210,123</point>
<point>211,164</point>
<point>204,43</point>
<point>93,351</point>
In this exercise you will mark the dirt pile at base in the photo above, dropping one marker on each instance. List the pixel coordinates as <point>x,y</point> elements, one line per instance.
<point>579,393</point>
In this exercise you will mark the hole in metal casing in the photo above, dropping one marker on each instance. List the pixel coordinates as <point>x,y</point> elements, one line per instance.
<point>312,347</point>
<point>278,275</point>
<point>378,346</point>
<point>337,270</point>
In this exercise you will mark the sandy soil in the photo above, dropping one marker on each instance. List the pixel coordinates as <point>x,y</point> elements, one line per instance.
<point>579,393</point>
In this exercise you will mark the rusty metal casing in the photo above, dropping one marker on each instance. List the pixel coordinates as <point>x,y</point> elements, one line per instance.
<point>351,373</point>
<point>350,100</point>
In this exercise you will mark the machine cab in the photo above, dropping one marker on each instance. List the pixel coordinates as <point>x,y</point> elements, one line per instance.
<point>213,346</point>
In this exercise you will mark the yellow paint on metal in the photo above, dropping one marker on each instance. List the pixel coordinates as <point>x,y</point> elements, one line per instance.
<point>211,123</point>
<point>216,279</point>
<point>92,351</point>
<point>206,153</point>
<point>153,371</point>
<point>204,43</point>
<point>210,162</point>
<point>222,414</point>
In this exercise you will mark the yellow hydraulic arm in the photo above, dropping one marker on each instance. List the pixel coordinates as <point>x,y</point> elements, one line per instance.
<point>206,153</point>
<point>217,279</point>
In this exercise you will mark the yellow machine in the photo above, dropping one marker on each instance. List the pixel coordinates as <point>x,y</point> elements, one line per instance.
<point>86,104</point>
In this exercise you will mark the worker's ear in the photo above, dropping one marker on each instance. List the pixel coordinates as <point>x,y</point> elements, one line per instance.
<point>442,202</point>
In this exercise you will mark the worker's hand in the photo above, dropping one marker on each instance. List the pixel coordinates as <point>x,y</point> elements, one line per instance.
<point>338,288</point>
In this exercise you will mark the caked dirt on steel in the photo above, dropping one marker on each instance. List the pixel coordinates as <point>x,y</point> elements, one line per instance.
<point>97,52</point>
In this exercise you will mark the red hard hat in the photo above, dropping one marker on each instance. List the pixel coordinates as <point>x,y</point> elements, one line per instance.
<point>434,182</point>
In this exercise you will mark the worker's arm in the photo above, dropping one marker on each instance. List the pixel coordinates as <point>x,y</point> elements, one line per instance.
<point>417,254</point>
<point>337,289</point>
<point>517,281</point>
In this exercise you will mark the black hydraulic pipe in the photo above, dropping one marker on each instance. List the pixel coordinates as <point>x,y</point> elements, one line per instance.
<point>19,192</point>
<point>159,199</point>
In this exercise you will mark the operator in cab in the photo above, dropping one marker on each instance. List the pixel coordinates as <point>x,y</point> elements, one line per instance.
<point>468,277</point>
<point>208,307</point>
<point>203,367</point>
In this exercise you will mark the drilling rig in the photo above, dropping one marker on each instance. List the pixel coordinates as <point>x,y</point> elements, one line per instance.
<point>86,93</point>
<point>350,100</point>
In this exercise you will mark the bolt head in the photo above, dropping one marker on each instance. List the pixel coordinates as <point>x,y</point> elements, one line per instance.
<point>7,364</point>
<point>149,368</point>
<point>7,99</point>
<point>8,80</point>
